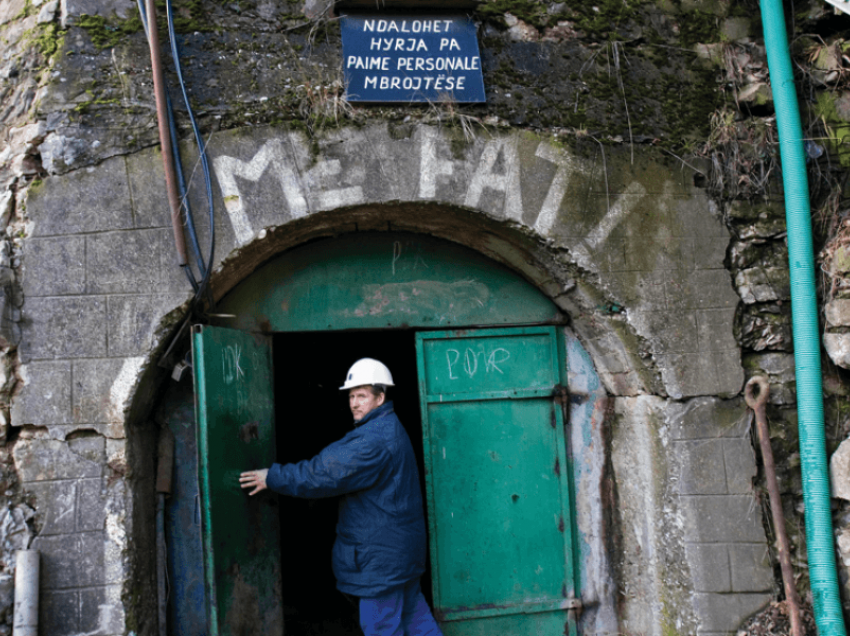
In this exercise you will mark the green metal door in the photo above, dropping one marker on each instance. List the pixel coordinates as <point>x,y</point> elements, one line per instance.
<point>235,415</point>
<point>497,481</point>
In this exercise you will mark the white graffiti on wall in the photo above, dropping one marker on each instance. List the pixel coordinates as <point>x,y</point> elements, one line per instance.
<point>504,180</point>
<point>295,185</point>
<point>558,188</point>
<point>231,363</point>
<point>495,172</point>
<point>469,361</point>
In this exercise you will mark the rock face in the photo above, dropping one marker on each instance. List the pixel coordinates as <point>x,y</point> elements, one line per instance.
<point>839,472</point>
<point>671,272</point>
<point>838,348</point>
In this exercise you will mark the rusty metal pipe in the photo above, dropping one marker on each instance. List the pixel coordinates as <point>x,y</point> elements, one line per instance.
<point>758,402</point>
<point>165,133</point>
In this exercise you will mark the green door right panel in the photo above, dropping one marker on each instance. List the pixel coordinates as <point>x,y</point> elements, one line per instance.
<point>496,476</point>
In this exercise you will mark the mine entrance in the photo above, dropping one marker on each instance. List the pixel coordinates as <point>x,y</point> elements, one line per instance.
<point>311,412</point>
<point>477,354</point>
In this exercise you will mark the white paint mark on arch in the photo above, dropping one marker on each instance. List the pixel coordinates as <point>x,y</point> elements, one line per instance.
<point>506,182</point>
<point>326,172</point>
<point>122,387</point>
<point>228,168</point>
<point>549,210</point>
<point>625,203</point>
<point>430,167</point>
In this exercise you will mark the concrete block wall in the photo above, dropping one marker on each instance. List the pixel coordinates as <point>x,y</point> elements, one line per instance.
<point>658,244</point>
<point>634,256</point>
<point>82,537</point>
<point>725,543</point>
<point>97,281</point>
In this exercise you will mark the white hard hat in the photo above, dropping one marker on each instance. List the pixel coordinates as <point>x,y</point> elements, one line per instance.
<point>367,371</point>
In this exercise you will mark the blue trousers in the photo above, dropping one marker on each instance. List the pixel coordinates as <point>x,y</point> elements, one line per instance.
<point>402,612</point>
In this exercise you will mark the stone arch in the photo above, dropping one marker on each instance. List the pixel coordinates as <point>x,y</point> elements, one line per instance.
<point>523,254</point>
<point>521,249</point>
<point>296,195</point>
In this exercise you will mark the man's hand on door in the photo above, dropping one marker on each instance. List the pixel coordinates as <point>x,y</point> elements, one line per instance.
<point>255,479</point>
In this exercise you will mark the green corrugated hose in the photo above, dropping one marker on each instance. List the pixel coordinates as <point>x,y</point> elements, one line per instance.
<point>804,310</point>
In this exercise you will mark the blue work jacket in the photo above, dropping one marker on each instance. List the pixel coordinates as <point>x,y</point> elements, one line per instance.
<point>380,534</point>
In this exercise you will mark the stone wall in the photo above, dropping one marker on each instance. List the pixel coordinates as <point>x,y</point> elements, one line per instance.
<point>579,173</point>
<point>90,261</point>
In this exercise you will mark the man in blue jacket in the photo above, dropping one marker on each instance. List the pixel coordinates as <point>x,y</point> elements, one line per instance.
<point>379,553</point>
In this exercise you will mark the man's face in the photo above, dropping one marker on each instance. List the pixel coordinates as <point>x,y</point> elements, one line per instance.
<point>361,401</point>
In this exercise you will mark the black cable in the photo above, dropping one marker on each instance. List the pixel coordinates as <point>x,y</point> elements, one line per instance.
<point>181,186</point>
<point>207,267</point>
<point>204,268</point>
<point>191,276</point>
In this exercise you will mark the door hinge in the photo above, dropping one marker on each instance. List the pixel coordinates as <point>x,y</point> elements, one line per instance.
<point>565,397</point>
<point>573,607</point>
<point>561,395</point>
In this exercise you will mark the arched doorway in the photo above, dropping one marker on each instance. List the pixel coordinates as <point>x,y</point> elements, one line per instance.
<point>494,443</point>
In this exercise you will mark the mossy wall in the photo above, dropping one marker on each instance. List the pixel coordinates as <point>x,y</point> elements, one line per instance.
<point>618,71</point>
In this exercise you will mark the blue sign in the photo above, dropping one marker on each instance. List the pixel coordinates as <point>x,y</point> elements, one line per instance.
<point>411,59</point>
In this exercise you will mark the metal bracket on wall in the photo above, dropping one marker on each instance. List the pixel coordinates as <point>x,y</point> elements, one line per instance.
<point>565,397</point>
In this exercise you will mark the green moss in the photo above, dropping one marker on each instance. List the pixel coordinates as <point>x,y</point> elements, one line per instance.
<point>459,145</point>
<point>610,14</point>
<point>27,11</point>
<point>106,33</point>
<point>698,27</point>
<point>48,38</point>
<point>400,131</point>
<point>85,106</point>
<point>299,125</point>
<point>837,130</point>
<point>189,16</point>
<point>495,44</point>
<point>687,106</point>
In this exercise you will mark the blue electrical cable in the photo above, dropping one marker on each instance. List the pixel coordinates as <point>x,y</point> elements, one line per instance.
<point>172,36</point>
<point>204,268</point>
<point>181,186</point>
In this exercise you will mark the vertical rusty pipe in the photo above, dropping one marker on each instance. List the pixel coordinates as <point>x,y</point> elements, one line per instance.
<point>164,133</point>
<point>758,402</point>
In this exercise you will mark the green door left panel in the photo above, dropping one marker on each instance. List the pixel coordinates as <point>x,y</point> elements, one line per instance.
<point>234,406</point>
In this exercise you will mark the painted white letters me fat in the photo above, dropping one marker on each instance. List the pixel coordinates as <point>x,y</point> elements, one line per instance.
<point>505,182</point>
<point>496,171</point>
